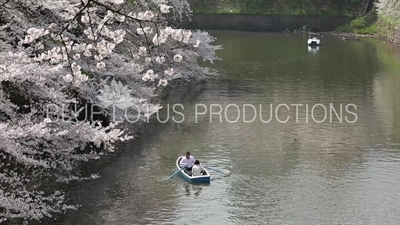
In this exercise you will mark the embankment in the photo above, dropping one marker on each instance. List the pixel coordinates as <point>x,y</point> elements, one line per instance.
<point>267,23</point>
<point>281,7</point>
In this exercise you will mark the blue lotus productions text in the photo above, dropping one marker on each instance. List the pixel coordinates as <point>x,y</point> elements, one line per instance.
<point>250,113</point>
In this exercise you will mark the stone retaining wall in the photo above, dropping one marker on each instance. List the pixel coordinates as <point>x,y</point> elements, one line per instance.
<point>263,23</point>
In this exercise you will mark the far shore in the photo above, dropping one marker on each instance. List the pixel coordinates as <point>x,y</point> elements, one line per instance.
<point>326,25</point>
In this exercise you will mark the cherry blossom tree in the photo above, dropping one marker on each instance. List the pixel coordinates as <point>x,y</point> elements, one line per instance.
<point>60,56</point>
<point>390,9</point>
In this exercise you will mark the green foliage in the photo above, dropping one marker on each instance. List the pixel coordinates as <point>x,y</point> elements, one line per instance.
<point>358,23</point>
<point>372,23</point>
<point>355,2</point>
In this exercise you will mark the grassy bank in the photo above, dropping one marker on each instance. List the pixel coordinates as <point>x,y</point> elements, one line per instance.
<point>373,24</point>
<point>280,7</point>
<point>362,25</point>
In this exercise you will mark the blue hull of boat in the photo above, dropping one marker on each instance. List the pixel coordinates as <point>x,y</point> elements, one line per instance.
<point>199,179</point>
<point>194,180</point>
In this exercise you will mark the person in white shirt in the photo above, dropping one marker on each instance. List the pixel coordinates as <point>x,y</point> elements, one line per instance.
<point>188,162</point>
<point>197,169</point>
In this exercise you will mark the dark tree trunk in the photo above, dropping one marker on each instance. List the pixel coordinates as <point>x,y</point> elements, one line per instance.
<point>370,6</point>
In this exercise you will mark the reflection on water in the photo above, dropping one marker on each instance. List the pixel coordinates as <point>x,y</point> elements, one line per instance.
<point>313,49</point>
<point>193,189</point>
<point>282,173</point>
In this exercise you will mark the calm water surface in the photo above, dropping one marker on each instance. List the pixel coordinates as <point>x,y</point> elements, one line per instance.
<point>299,172</point>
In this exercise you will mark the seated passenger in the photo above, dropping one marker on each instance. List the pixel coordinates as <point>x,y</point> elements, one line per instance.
<point>197,169</point>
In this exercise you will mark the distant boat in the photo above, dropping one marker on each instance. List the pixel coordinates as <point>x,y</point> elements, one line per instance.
<point>197,179</point>
<point>313,39</point>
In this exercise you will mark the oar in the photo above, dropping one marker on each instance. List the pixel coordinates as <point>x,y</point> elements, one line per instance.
<point>176,172</point>
<point>226,174</point>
